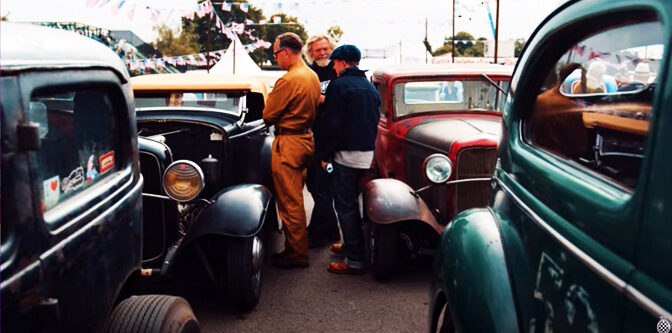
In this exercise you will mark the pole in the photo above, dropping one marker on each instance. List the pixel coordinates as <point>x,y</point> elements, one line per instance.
<point>426,39</point>
<point>453,42</point>
<point>207,44</point>
<point>234,53</point>
<point>496,30</point>
<point>400,58</point>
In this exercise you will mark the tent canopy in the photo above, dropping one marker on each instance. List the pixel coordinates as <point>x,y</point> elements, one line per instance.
<point>244,65</point>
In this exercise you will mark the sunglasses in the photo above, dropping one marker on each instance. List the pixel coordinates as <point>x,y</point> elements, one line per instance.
<point>275,54</point>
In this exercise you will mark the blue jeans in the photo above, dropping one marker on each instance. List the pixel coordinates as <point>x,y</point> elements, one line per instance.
<point>323,219</point>
<point>346,191</point>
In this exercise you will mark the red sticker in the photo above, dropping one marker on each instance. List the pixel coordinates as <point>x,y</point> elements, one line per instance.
<point>54,185</point>
<point>106,162</point>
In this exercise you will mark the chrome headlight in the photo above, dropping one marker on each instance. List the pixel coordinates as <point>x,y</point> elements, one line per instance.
<point>183,180</point>
<point>438,168</point>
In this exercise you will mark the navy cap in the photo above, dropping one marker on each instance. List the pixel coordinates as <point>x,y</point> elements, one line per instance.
<point>346,52</point>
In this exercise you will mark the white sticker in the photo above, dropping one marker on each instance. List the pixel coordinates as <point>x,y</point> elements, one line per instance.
<point>214,136</point>
<point>73,181</point>
<point>52,191</point>
<point>91,173</point>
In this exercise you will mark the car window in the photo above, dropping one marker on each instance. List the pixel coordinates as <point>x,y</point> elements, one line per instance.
<point>380,87</point>
<point>225,101</point>
<point>449,95</point>
<point>595,105</point>
<point>78,145</point>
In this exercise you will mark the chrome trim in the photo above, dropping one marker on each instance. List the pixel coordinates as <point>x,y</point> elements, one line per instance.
<point>199,171</point>
<point>247,132</point>
<point>188,108</point>
<point>634,295</point>
<point>156,196</point>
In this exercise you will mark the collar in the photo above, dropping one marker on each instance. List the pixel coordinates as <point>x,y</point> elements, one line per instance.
<point>352,70</point>
<point>298,63</point>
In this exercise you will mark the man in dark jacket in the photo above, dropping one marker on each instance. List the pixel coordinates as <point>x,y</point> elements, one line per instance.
<point>352,110</point>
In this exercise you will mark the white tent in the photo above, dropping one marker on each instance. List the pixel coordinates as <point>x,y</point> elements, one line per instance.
<point>244,65</point>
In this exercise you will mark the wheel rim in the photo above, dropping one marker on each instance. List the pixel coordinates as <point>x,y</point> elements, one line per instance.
<point>257,262</point>
<point>372,247</point>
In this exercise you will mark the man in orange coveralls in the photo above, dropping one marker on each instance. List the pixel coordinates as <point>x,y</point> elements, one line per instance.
<point>291,108</point>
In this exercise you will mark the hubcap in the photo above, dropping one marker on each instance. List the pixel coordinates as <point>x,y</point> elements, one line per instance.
<point>257,261</point>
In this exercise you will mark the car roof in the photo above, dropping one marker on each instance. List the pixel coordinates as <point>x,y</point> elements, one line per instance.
<point>28,46</point>
<point>197,81</point>
<point>443,69</point>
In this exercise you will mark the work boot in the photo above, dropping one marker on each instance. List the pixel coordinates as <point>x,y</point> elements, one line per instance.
<point>342,268</point>
<point>336,248</point>
<point>283,260</point>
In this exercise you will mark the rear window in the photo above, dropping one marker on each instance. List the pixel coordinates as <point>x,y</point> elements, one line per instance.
<point>224,101</point>
<point>78,142</point>
<point>449,95</point>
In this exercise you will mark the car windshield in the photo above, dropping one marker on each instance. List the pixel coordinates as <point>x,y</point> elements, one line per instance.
<point>225,101</point>
<point>448,95</point>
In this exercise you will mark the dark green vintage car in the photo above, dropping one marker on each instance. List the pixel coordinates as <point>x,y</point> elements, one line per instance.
<point>576,236</point>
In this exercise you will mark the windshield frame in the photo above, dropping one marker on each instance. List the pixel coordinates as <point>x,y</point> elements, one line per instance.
<point>237,114</point>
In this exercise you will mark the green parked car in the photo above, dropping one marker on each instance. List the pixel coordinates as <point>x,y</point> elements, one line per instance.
<point>577,235</point>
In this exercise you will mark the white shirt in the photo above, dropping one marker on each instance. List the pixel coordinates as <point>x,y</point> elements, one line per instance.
<point>355,159</point>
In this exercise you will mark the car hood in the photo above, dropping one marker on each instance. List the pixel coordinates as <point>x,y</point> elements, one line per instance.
<point>442,133</point>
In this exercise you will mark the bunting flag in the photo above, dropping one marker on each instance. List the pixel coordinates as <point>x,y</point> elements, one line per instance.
<point>244,6</point>
<point>294,6</point>
<point>91,3</point>
<point>103,3</point>
<point>262,21</point>
<point>131,13</point>
<point>115,9</point>
<point>226,6</point>
<point>154,16</point>
<point>278,6</point>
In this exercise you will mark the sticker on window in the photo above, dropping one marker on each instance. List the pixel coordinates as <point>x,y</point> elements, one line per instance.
<point>106,162</point>
<point>52,191</point>
<point>73,181</point>
<point>91,173</point>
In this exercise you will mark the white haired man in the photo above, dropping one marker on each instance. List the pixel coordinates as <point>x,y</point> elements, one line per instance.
<point>323,226</point>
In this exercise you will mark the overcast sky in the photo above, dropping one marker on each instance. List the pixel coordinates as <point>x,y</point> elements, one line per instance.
<point>366,23</point>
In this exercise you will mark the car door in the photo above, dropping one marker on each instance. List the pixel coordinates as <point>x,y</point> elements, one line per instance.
<point>86,192</point>
<point>649,289</point>
<point>572,160</point>
<point>384,138</point>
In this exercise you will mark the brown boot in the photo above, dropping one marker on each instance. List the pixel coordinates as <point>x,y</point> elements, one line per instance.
<point>342,268</point>
<point>336,248</point>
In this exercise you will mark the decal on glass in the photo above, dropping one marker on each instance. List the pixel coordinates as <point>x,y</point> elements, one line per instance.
<point>91,173</point>
<point>73,181</point>
<point>52,191</point>
<point>106,162</point>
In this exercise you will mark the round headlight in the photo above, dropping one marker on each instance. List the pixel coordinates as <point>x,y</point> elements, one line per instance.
<point>438,168</point>
<point>183,180</point>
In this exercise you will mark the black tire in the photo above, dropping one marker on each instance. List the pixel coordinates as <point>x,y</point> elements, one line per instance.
<point>383,249</point>
<point>153,314</point>
<point>244,259</point>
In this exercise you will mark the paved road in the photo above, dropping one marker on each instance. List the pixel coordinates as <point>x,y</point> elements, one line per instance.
<point>313,300</point>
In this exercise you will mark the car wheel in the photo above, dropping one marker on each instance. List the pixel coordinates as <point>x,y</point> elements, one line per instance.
<point>383,249</point>
<point>153,314</point>
<point>446,321</point>
<point>244,259</point>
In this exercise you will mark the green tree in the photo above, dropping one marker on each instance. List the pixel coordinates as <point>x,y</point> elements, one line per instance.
<point>518,47</point>
<point>6,17</point>
<point>171,45</point>
<point>465,45</point>
<point>219,41</point>
<point>335,32</point>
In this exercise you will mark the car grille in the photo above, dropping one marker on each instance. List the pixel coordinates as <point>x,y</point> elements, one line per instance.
<point>478,162</point>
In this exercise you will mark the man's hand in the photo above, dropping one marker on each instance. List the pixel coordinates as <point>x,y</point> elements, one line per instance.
<point>324,165</point>
<point>321,99</point>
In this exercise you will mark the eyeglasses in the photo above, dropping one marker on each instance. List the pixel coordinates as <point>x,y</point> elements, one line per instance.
<point>275,54</point>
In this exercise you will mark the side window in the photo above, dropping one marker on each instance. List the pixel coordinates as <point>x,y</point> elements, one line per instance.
<point>79,129</point>
<point>595,105</point>
<point>380,86</point>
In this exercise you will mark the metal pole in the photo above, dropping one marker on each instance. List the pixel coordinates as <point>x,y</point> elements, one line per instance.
<point>207,44</point>
<point>234,53</point>
<point>453,50</point>
<point>496,31</point>
<point>425,40</point>
<point>400,58</point>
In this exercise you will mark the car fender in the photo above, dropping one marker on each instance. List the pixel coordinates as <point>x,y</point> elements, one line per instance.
<point>236,211</point>
<point>471,269</point>
<point>389,200</point>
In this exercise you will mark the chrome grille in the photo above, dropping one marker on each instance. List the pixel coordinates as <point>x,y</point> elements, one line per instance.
<point>474,162</point>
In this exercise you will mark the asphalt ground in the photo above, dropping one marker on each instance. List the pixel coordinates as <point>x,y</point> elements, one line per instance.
<point>314,300</point>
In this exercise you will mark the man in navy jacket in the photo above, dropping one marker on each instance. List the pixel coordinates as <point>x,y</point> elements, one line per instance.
<point>350,122</point>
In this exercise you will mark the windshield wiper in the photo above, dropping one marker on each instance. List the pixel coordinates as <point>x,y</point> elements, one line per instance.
<point>493,83</point>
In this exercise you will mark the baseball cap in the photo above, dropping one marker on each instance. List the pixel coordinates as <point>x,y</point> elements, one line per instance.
<point>346,52</point>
